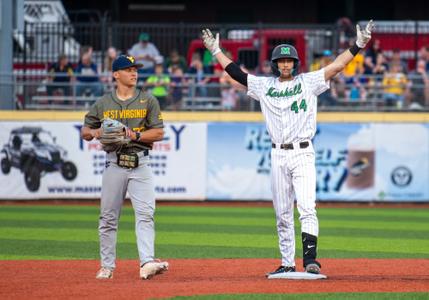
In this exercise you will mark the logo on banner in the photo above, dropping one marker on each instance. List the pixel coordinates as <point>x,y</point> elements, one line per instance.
<point>401,176</point>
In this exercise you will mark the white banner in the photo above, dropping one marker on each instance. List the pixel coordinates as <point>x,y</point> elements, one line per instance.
<point>50,160</point>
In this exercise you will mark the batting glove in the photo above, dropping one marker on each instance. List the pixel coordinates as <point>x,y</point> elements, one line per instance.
<point>210,42</point>
<point>363,36</point>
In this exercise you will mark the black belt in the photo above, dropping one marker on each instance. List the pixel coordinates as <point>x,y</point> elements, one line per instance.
<point>302,145</point>
<point>144,151</point>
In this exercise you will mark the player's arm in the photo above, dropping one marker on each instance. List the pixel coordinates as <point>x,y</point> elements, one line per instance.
<point>92,124</point>
<point>363,37</point>
<point>148,136</point>
<point>212,44</point>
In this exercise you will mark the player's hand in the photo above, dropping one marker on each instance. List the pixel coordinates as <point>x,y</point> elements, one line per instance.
<point>96,133</point>
<point>363,36</point>
<point>210,42</point>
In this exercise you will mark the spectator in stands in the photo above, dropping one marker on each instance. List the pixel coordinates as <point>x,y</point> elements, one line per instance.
<point>145,53</point>
<point>424,55</point>
<point>371,55</point>
<point>198,80</point>
<point>419,86</point>
<point>395,85</point>
<point>327,98</point>
<point>175,60</point>
<point>88,81</point>
<point>61,75</point>
<point>158,85</point>
<point>111,55</point>
<point>354,68</point>
<point>178,85</point>
<point>397,60</point>
<point>265,69</point>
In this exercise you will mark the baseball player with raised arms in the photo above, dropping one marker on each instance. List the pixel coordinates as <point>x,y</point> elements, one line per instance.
<point>289,106</point>
<point>127,166</point>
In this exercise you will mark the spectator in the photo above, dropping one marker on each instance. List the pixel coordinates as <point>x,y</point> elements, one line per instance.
<point>61,74</point>
<point>371,57</point>
<point>199,79</point>
<point>145,53</point>
<point>158,85</point>
<point>354,68</point>
<point>265,68</point>
<point>88,80</point>
<point>397,60</point>
<point>419,82</point>
<point>424,55</point>
<point>395,85</point>
<point>175,60</point>
<point>111,55</point>
<point>178,84</point>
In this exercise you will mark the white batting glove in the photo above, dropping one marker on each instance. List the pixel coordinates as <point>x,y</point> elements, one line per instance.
<point>363,36</point>
<point>210,42</point>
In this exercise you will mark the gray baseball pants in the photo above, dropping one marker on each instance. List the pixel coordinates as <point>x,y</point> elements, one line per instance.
<point>115,184</point>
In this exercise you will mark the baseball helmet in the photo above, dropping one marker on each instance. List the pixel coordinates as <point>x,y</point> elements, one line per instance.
<point>284,51</point>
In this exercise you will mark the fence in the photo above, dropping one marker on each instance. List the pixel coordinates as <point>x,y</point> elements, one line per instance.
<point>364,93</point>
<point>40,43</point>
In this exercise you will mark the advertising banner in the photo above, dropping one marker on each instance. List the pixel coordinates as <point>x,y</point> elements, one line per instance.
<point>50,160</point>
<point>354,162</point>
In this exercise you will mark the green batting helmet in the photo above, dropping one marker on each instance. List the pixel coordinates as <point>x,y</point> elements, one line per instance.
<point>284,51</point>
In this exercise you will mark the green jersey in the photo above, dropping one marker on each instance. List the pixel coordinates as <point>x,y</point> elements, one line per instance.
<point>139,113</point>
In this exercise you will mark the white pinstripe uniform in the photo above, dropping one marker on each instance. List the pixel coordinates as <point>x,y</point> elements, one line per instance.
<point>290,109</point>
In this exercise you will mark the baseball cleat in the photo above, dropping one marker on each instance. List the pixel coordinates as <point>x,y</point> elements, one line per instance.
<point>149,269</point>
<point>104,273</point>
<point>313,268</point>
<point>280,270</point>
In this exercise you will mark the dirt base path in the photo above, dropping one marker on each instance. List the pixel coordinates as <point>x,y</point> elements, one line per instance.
<point>186,277</point>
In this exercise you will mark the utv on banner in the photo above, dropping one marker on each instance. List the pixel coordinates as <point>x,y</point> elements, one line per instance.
<point>34,151</point>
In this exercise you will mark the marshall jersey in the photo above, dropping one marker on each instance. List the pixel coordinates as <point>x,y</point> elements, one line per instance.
<point>289,107</point>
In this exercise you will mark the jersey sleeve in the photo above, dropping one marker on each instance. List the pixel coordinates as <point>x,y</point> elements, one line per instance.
<point>255,86</point>
<point>154,116</point>
<point>92,118</point>
<point>316,82</point>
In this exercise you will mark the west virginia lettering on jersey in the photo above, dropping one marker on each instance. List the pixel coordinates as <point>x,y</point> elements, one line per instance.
<point>273,92</point>
<point>125,114</point>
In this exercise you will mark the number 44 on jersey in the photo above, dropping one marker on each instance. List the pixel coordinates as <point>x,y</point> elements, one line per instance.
<point>296,108</point>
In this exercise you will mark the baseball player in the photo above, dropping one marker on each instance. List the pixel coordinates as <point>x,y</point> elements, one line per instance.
<point>127,168</point>
<point>289,105</point>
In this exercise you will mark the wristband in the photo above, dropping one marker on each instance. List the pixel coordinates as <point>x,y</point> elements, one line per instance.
<point>216,51</point>
<point>138,135</point>
<point>354,49</point>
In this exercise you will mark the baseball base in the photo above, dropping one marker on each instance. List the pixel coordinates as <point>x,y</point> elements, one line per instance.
<point>297,275</point>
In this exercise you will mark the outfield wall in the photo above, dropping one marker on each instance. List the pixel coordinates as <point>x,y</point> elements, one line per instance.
<point>226,156</point>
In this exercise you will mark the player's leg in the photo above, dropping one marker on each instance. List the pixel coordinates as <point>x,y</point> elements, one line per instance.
<point>113,192</point>
<point>304,184</point>
<point>283,202</point>
<point>142,194</point>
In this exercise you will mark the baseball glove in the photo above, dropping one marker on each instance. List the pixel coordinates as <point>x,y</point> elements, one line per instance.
<point>113,135</point>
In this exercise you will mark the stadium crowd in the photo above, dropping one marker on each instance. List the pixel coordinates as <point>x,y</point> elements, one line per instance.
<point>382,78</point>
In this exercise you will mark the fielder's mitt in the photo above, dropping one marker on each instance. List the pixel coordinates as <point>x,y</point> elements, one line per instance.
<point>113,135</point>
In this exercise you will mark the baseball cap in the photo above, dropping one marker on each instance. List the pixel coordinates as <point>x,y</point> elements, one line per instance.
<point>123,62</point>
<point>144,37</point>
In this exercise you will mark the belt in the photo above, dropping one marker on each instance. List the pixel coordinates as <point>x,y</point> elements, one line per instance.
<point>143,152</point>
<point>302,145</point>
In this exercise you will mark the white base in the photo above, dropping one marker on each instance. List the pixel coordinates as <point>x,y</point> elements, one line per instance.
<point>297,275</point>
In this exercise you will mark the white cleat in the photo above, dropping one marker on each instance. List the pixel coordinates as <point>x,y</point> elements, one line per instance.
<point>104,273</point>
<point>152,268</point>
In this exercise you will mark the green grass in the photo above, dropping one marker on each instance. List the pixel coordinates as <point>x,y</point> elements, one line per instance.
<point>321,296</point>
<point>70,232</point>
